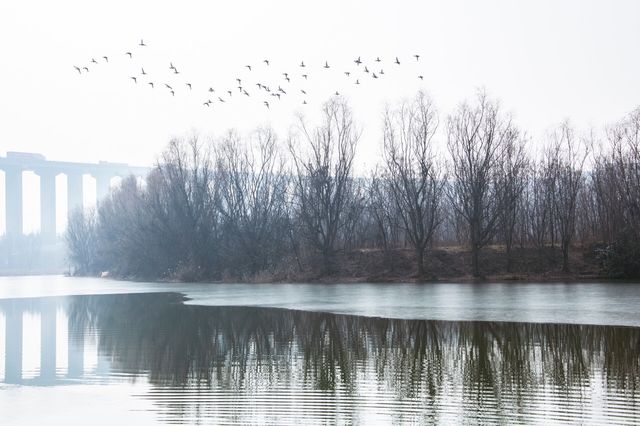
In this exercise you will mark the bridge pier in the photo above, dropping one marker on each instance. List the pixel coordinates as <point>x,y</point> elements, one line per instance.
<point>13,200</point>
<point>75,192</point>
<point>47,204</point>
<point>103,184</point>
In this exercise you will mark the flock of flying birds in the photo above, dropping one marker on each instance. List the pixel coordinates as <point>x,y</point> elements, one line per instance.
<point>268,93</point>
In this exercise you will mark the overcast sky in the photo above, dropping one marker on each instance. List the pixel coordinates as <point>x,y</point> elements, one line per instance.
<point>545,60</point>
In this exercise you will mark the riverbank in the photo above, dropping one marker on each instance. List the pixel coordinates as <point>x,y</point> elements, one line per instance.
<point>443,264</point>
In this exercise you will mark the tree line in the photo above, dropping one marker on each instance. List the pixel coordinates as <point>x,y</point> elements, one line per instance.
<point>246,206</point>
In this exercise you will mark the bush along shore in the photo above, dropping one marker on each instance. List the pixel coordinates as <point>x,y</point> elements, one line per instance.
<point>457,197</point>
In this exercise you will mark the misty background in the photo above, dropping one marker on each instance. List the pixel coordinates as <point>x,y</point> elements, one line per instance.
<point>546,61</point>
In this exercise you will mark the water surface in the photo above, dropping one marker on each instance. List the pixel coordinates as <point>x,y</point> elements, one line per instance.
<point>151,359</point>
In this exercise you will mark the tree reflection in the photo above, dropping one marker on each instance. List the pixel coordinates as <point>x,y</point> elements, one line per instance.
<point>240,347</point>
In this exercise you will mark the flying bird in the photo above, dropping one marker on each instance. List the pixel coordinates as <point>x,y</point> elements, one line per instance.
<point>151,84</point>
<point>285,74</point>
<point>397,61</point>
<point>135,80</point>
<point>229,92</point>
<point>94,61</point>
<point>189,84</point>
<point>337,94</point>
<point>347,73</point>
<point>86,69</point>
<point>78,69</point>
<point>280,89</point>
<point>357,81</point>
<point>305,76</point>
<point>374,75</point>
<point>366,69</point>
<point>266,104</point>
<point>304,102</point>
<point>130,54</point>
<point>248,66</point>
<point>175,71</point>
<point>143,73</point>
<point>211,89</point>
<point>266,61</point>
<point>106,59</point>
<point>417,57</point>
<point>381,72</point>
<point>173,93</point>
<point>303,92</point>
<point>245,92</point>
<point>421,77</point>
<point>168,87</point>
<point>142,43</point>
<point>326,65</point>
<point>239,81</point>
<point>206,103</point>
<point>302,65</point>
<point>220,99</point>
<point>171,67</point>
<point>378,59</point>
<point>358,61</point>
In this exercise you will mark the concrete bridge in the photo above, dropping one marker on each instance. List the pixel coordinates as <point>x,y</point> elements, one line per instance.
<point>17,162</point>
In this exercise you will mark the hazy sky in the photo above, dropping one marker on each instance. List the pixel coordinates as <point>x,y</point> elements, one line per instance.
<point>545,60</point>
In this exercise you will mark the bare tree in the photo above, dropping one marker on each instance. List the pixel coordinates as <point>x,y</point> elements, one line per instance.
<point>478,138</point>
<point>416,182</point>
<point>565,159</point>
<point>323,184</point>
<point>254,188</point>
<point>82,241</point>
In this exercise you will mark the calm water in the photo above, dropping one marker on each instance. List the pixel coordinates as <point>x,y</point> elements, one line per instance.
<point>150,358</point>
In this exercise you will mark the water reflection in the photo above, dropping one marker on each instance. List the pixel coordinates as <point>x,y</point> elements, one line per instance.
<point>244,364</point>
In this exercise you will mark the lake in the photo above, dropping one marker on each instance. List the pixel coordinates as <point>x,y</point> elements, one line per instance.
<point>91,351</point>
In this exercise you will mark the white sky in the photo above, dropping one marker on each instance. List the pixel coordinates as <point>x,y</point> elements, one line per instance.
<point>545,60</point>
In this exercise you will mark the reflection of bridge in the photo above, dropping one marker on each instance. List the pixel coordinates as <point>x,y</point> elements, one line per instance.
<point>47,309</point>
<point>17,162</point>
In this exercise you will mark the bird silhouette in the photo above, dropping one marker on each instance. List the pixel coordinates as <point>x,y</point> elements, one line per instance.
<point>397,61</point>
<point>168,87</point>
<point>378,59</point>
<point>357,81</point>
<point>381,72</point>
<point>211,89</point>
<point>266,104</point>
<point>374,75</point>
<point>206,103</point>
<point>337,94</point>
<point>171,67</point>
<point>135,80</point>
<point>239,80</point>
<point>266,61</point>
<point>304,102</point>
<point>142,43</point>
<point>305,76</point>
<point>220,99</point>
<point>245,92</point>
<point>189,84</point>
<point>173,93</point>
<point>86,69</point>
<point>143,73</point>
<point>229,92</point>
<point>78,69</point>
<point>417,57</point>
<point>347,73</point>
<point>248,66</point>
<point>259,85</point>
<point>288,80</point>
<point>106,59</point>
<point>280,89</point>
<point>302,65</point>
<point>303,92</point>
<point>358,61</point>
<point>130,54</point>
<point>366,69</point>
<point>151,84</point>
<point>94,61</point>
<point>326,65</point>
<point>285,74</point>
<point>421,77</point>
<point>175,71</point>
<point>240,89</point>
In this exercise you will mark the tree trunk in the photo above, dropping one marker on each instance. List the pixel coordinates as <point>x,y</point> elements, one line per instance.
<point>565,257</point>
<point>475,252</point>
<point>420,259</point>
